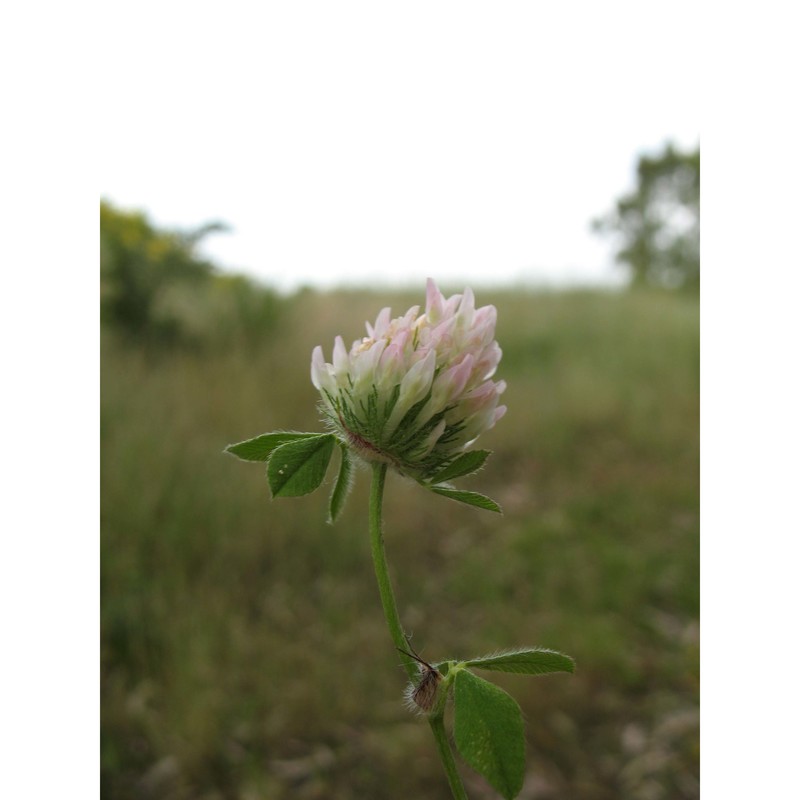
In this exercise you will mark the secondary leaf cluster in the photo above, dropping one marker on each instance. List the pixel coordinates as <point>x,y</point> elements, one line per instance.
<point>297,464</point>
<point>489,733</point>
<point>527,661</point>
<point>488,727</point>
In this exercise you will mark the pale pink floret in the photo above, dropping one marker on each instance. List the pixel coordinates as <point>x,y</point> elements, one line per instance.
<point>321,373</point>
<point>341,360</point>
<point>381,324</point>
<point>392,366</point>
<point>434,303</point>
<point>447,386</point>
<point>413,388</point>
<point>448,351</point>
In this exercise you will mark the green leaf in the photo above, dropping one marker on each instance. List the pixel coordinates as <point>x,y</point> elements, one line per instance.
<point>344,483</point>
<point>525,661</point>
<point>298,467</point>
<point>260,448</point>
<point>471,498</point>
<point>465,464</point>
<point>489,733</point>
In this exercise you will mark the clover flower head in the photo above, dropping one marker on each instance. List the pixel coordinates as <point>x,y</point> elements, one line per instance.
<point>417,390</point>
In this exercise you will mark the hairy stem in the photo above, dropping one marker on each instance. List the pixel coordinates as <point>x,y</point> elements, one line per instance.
<point>436,720</point>
<point>382,570</point>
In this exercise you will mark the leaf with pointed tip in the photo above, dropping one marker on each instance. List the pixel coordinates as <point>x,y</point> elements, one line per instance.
<point>525,661</point>
<point>471,498</point>
<point>260,448</point>
<point>299,467</point>
<point>344,482</point>
<point>489,732</point>
<point>465,464</point>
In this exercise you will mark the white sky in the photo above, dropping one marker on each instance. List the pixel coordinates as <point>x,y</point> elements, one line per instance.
<point>368,142</point>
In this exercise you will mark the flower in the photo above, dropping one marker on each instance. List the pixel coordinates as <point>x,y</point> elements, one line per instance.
<point>417,390</point>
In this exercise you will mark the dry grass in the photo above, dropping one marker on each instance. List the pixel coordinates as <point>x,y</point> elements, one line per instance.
<point>244,652</point>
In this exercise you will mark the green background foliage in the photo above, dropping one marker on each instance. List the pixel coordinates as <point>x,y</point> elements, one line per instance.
<point>244,652</point>
<point>156,289</point>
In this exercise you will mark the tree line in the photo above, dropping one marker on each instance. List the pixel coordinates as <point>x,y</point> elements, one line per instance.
<point>155,284</point>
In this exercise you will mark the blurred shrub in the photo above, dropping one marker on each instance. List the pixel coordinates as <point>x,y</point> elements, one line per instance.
<point>137,262</point>
<point>156,288</point>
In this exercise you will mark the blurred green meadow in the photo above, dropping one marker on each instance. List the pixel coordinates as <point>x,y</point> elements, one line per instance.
<point>244,651</point>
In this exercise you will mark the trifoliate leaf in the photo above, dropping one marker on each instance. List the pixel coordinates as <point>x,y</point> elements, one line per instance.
<point>299,467</point>
<point>525,661</point>
<point>489,733</point>
<point>471,498</point>
<point>465,464</point>
<point>260,448</point>
<point>344,483</point>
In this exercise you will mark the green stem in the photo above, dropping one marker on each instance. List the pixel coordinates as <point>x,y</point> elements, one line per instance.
<point>382,570</point>
<point>436,720</point>
<point>446,754</point>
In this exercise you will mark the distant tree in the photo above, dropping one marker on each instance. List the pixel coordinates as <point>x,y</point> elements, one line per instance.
<point>138,262</point>
<point>658,223</point>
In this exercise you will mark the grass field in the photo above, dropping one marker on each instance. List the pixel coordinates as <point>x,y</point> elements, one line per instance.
<point>244,653</point>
